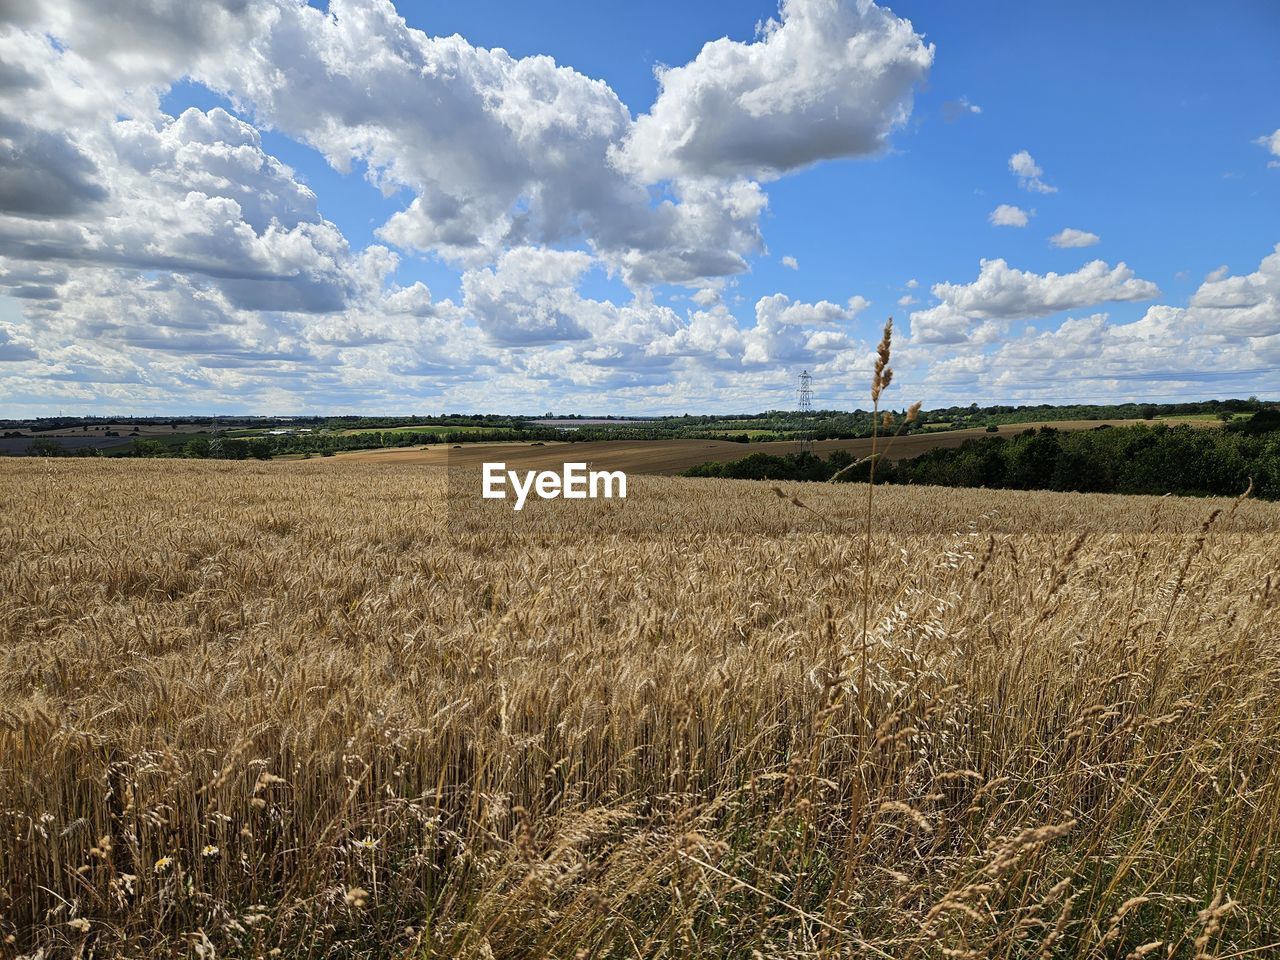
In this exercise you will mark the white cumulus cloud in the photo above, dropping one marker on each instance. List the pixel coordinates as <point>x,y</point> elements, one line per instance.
<point>828,78</point>
<point>1247,305</point>
<point>148,259</point>
<point>1007,215</point>
<point>1029,173</point>
<point>1071,238</point>
<point>792,331</point>
<point>1228,336</point>
<point>1002,293</point>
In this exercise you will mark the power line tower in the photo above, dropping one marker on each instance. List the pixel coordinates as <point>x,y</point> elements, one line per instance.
<point>804,396</point>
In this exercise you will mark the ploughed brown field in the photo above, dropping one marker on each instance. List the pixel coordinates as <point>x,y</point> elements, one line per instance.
<point>347,709</point>
<point>673,457</point>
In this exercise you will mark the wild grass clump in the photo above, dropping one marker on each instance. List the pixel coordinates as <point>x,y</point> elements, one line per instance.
<point>287,710</point>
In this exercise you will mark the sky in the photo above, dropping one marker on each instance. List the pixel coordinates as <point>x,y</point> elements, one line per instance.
<point>270,207</point>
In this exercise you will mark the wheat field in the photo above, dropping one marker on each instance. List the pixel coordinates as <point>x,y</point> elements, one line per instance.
<point>322,709</point>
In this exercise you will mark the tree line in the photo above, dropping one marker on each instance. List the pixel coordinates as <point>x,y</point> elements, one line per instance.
<point>1142,459</point>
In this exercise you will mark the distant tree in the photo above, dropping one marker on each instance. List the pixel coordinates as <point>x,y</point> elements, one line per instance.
<point>260,448</point>
<point>1148,411</point>
<point>45,447</point>
<point>149,448</point>
<point>1264,421</point>
<point>1034,457</point>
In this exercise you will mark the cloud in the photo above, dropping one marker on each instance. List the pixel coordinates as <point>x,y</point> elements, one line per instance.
<point>1272,145</point>
<point>1007,215</point>
<point>1002,294</point>
<point>1070,238</point>
<point>784,331</point>
<point>791,263</point>
<point>519,151</point>
<point>953,110</point>
<point>857,304</point>
<point>1029,173</point>
<point>704,233</point>
<point>711,335</point>
<point>529,297</point>
<point>827,79</point>
<point>1218,273</point>
<point>493,151</point>
<point>82,183</point>
<point>788,331</point>
<point>197,264</point>
<point>151,256</point>
<point>413,300</point>
<point>133,314</point>
<point>44,173</point>
<point>907,300</point>
<point>13,347</point>
<point>912,284</point>
<point>496,151</point>
<point>147,259</point>
<point>134,45</point>
<point>532,315</point>
<point>25,280</point>
<point>1246,305</point>
<point>1227,339</point>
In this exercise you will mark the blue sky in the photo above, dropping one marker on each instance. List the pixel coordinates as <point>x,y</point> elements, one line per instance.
<point>275,209</point>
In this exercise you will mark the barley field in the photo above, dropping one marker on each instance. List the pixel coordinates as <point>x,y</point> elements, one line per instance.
<point>327,709</point>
